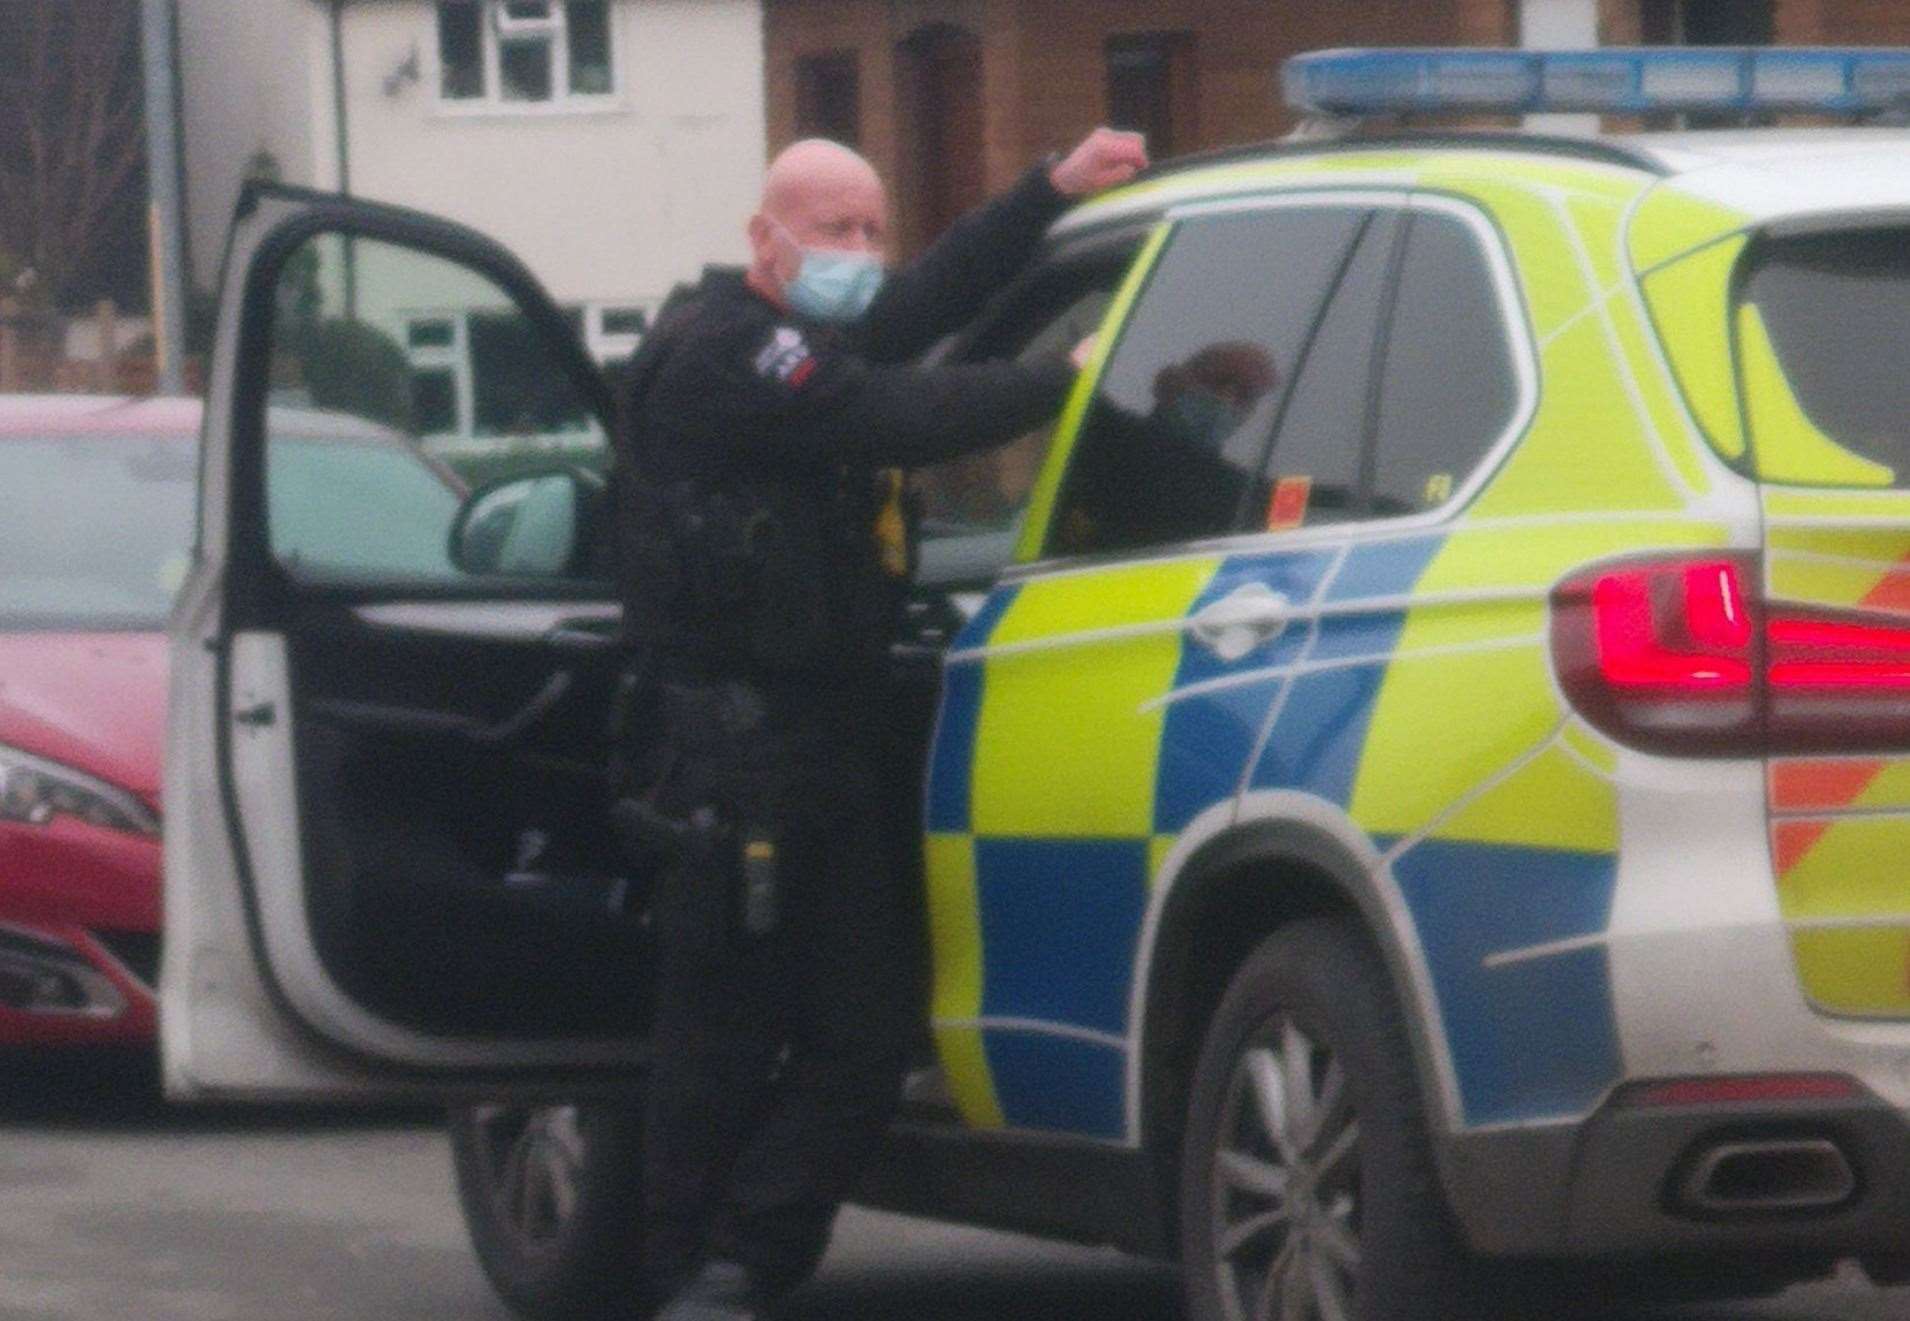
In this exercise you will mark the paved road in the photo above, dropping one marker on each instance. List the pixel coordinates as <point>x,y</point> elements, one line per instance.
<point>113,1207</point>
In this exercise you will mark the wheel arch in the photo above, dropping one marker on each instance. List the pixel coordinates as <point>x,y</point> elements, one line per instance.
<point>1273,863</point>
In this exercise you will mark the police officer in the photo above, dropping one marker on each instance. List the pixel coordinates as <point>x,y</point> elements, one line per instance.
<point>764,564</point>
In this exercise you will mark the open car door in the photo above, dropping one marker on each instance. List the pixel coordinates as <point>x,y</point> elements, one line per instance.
<point>388,864</point>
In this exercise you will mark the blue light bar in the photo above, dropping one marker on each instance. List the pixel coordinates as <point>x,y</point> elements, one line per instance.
<point>1617,80</point>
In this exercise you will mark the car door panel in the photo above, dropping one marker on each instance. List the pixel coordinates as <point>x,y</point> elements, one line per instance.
<point>420,921</point>
<point>390,859</point>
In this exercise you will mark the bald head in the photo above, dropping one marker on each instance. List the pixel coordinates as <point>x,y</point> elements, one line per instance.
<point>815,172</point>
<point>817,195</point>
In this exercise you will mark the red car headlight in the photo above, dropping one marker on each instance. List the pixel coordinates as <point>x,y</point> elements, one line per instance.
<point>34,790</point>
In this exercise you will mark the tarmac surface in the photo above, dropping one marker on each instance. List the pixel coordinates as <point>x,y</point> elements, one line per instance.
<point>113,1205</point>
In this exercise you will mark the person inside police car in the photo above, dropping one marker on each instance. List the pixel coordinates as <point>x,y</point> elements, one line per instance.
<point>764,561</point>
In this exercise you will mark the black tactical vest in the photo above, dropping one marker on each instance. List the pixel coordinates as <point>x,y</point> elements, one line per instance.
<point>733,576</point>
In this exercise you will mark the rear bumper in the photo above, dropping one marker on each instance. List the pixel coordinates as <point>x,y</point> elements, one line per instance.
<point>1620,1184</point>
<point>1634,1185</point>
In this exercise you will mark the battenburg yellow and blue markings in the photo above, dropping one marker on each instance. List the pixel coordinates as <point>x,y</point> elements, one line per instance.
<point>1084,725</point>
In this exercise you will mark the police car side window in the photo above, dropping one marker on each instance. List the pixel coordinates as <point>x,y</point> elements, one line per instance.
<point>1449,384</point>
<point>1175,438</point>
<point>1047,317</point>
<point>1313,473</point>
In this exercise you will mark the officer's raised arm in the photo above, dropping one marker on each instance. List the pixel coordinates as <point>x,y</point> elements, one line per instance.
<point>946,286</point>
<point>805,404</point>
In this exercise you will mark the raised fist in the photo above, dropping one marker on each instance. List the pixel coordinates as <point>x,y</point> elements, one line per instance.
<point>1105,158</point>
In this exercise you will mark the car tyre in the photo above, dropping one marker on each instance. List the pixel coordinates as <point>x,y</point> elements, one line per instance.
<point>551,1197</point>
<point>1308,1188</point>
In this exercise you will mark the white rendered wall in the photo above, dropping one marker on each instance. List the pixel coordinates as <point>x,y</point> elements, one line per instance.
<point>246,85</point>
<point>612,204</point>
<point>1559,25</point>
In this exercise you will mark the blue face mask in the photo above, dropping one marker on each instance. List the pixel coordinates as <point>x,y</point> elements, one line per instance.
<point>835,286</point>
<point>1201,417</point>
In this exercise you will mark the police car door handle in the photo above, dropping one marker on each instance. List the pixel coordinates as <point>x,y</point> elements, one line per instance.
<point>1242,621</point>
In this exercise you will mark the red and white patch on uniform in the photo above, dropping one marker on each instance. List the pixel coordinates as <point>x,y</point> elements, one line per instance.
<point>787,357</point>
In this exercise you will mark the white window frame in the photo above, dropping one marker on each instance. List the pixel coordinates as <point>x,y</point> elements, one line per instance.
<point>495,29</point>
<point>454,357</point>
<point>608,346</point>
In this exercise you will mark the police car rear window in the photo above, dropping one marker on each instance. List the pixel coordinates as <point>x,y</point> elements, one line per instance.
<point>1822,332</point>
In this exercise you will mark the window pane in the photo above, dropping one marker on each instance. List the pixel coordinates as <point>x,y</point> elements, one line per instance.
<point>460,49</point>
<point>1184,411</point>
<point>1449,385</point>
<point>829,97</point>
<point>434,400</point>
<point>359,505</point>
<point>525,65</point>
<point>1833,311</point>
<point>1313,474</point>
<point>590,72</point>
<point>1150,88</point>
<point>435,333</point>
<point>987,492</point>
<point>520,390</point>
<point>351,491</point>
<point>1728,22</point>
<point>625,321</point>
<point>972,508</point>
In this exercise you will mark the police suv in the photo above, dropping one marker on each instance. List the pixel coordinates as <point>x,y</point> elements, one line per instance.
<point>1417,806</point>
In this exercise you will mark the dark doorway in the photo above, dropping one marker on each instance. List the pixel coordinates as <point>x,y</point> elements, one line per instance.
<point>829,97</point>
<point>1151,89</point>
<point>943,172</point>
<point>1707,23</point>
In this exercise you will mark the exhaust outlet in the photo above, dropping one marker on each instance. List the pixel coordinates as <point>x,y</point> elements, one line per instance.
<point>1769,1175</point>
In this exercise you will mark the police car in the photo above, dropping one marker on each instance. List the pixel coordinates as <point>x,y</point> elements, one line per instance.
<point>1423,794</point>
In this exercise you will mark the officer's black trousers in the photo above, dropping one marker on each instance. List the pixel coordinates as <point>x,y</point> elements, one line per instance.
<point>778,1058</point>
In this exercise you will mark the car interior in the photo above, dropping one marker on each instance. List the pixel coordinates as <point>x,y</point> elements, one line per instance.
<point>455,748</point>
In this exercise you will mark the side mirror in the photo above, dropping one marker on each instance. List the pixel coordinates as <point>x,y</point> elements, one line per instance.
<point>541,524</point>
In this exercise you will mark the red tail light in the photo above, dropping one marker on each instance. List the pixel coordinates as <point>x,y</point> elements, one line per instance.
<point>1680,656</point>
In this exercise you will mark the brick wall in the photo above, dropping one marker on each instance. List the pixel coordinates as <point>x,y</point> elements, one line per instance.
<point>1798,22</point>
<point>1843,22</point>
<point>1044,74</point>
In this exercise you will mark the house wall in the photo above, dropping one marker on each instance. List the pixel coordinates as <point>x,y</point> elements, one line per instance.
<point>611,204</point>
<point>615,204</point>
<point>246,86</point>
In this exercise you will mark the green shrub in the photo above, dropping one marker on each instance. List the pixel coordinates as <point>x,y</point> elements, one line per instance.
<point>358,369</point>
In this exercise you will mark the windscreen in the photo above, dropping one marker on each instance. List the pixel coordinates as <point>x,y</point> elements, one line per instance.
<point>96,531</point>
<point>1823,341</point>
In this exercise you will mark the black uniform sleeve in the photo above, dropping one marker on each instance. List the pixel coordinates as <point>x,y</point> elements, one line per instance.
<point>945,287</point>
<point>806,407</point>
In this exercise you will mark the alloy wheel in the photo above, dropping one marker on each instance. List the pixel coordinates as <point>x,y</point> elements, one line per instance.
<point>1285,1180</point>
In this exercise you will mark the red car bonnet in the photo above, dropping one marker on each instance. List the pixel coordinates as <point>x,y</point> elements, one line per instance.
<point>92,701</point>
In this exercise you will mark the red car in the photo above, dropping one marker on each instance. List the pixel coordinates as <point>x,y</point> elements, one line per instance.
<point>97,499</point>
